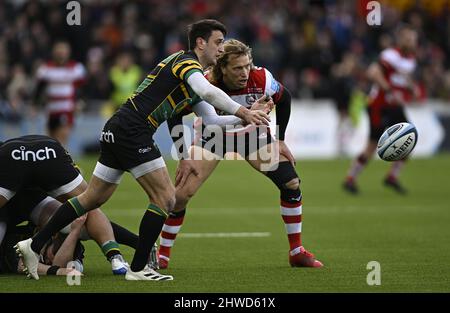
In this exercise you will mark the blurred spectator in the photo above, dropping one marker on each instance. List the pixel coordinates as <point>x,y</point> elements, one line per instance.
<point>125,76</point>
<point>302,42</point>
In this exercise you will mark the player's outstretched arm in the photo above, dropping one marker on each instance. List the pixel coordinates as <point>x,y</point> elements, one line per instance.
<point>222,101</point>
<point>65,253</point>
<point>210,117</point>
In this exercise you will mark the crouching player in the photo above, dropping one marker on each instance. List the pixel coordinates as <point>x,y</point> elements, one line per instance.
<point>37,162</point>
<point>235,74</point>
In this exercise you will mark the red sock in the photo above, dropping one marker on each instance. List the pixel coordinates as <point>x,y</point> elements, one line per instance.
<point>169,232</point>
<point>292,217</point>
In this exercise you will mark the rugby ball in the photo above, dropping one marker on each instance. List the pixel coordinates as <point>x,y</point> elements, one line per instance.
<point>397,142</point>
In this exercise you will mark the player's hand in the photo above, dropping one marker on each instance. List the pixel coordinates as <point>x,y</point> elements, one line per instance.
<point>78,223</point>
<point>184,169</point>
<point>265,103</point>
<point>253,117</point>
<point>284,151</point>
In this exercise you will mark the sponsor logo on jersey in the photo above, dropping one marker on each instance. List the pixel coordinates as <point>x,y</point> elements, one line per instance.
<point>145,150</point>
<point>22,154</point>
<point>107,137</point>
<point>275,86</point>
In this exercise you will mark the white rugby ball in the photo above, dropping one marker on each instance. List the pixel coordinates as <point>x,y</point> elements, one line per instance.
<point>397,142</point>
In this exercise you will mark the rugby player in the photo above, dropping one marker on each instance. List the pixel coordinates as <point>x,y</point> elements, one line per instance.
<point>34,206</point>
<point>40,162</point>
<point>59,81</point>
<point>235,74</point>
<point>175,83</point>
<point>393,87</point>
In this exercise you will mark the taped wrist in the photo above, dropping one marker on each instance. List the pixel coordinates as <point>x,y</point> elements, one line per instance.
<point>52,270</point>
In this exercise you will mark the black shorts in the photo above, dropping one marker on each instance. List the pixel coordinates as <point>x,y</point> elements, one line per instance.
<point>20,207</point>
<point>243,143</point>
<point>127,141</point>
<point>36,162</point>
<point>384,117</point>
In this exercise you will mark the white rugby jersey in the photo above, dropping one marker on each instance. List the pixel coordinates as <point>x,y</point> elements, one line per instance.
<point>62,81</point>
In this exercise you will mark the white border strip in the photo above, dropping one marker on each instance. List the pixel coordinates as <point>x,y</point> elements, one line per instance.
<point>147,167</point>
<point>8,194</point>
<point>66,188</point>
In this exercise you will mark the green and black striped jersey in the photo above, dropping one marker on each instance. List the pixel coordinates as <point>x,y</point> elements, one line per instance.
<point>165,92</point>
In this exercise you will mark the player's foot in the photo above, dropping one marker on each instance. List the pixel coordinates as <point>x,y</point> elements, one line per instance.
<point>304,259</point>
<point>30,258</point>
<point>119,265</point>
<point>350,186</point>
<point>153,262</point>
<point>146,274</point>
<point>394,184</point>
<point>163,261</point>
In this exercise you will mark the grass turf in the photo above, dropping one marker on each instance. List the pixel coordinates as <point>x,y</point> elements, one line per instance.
<point>408,235</point>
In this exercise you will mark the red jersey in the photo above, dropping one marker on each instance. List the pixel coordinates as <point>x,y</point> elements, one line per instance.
<point>260,82</point>
<point>398,68</point>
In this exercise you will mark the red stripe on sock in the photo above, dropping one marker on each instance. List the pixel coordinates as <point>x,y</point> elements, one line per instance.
<point>167,235</point>
<point>174,221</point>
<point>290,219</point>
<point>163,250</point>
<point>290,205</point>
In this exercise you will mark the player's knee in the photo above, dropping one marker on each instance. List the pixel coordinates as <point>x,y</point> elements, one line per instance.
<point>92,200</point>
<point>285,176</point>
<point>293,184</point>
<point>183,196</point>
<point>165,201</point>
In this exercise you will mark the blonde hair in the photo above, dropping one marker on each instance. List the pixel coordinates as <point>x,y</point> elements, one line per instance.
<point>232,48</point>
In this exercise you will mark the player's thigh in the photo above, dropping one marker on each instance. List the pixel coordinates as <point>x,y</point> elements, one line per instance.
<point>204,166</point>
<point>97,193</point>
<point>292,182</point>
<point>265,158</point>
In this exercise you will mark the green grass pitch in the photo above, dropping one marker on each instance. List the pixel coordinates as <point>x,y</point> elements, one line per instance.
<point>408,235</point>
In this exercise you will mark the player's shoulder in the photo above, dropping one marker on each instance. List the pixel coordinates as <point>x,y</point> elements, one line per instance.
<point>263,78</point>
<point>258,73</point>
<point>182,56</point>
<point>394,54</point>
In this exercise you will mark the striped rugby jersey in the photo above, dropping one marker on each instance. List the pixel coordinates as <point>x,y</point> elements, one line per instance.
<point>165,91</point>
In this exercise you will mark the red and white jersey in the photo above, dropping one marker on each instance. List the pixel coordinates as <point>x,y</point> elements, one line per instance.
<point>260,82</point>
<point>62,81</point>
<point>398,69</point>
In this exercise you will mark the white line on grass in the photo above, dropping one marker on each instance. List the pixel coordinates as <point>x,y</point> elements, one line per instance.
<point>224,235</point>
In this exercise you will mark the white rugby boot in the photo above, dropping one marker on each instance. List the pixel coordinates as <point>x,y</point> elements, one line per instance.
<point>146,274</point>
<point>30,258</point>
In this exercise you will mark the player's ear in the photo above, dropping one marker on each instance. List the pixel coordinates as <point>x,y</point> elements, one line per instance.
<point>200,43</point>
<point>223,69</point>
